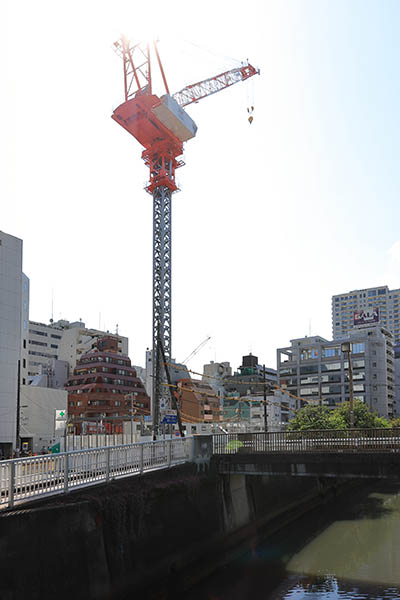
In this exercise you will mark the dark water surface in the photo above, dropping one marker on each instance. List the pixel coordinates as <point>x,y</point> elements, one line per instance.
<point>347,549</point>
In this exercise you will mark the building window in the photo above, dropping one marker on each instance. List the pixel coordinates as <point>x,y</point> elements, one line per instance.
<point>23,363</point>
<point>330,352</point>
<point>358,348</point>
<point>308,353</point>
<point>35,343</point>
<point>25,344</point>
<point>330,366</point>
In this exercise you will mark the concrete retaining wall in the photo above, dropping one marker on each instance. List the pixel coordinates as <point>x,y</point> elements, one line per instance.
<point>154,535</point>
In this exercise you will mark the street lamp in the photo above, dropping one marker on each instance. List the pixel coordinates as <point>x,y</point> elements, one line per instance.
<point>346,348</point>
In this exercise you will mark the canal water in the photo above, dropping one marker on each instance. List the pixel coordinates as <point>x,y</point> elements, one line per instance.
<point>348,548</point>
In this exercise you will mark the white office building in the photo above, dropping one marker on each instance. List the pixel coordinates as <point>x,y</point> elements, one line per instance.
<point>42,417</point>
<point>363,303</point>
<point>14,314</point>
<point>316,370</point>
<point>214,374</point>
<point>281,409</point>
<point>64,341</point>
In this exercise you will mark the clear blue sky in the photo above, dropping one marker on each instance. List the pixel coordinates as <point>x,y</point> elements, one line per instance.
<point>273,218</point>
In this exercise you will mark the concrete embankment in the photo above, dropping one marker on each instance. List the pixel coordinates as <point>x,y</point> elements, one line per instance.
<point>147,537</point>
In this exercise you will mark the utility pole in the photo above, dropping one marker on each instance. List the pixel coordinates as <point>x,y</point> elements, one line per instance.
<point>17,440</point>
<point>346,347</point>
<point>131,397</point>
<point>265,404</point>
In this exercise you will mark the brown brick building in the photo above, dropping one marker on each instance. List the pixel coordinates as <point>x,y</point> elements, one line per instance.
<point>198,402</point>
<point>99,387</point>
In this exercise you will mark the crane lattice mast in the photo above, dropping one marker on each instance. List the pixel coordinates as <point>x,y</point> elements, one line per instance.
<point>161,126</point>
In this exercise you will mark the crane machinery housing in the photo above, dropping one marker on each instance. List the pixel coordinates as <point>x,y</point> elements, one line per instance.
<point>161,125</point>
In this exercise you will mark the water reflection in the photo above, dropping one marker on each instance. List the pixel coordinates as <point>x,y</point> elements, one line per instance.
<point>347,549</point>
<point>363,547</point>
<point>329,588</point>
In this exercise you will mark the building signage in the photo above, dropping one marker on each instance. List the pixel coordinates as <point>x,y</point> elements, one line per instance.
<point>169,419</point>
<point>61,415</point>
<point>366,317</point>
<point>61,419</point>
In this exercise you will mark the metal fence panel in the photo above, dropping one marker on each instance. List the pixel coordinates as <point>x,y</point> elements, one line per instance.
<point>331,440</point>
<point>24,479</point>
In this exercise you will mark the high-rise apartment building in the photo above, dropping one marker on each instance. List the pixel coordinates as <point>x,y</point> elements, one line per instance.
<point>64,341</point>
<point>14,309</point>
<point>345,305</point>
<point>316,370</point>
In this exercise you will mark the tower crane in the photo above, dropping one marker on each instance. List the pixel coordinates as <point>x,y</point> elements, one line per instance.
<point>161,125</point>
<point>196,350</point>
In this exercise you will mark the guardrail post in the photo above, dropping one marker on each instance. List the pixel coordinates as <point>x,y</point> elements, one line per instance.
<point>108,464</point>
<point>11,485</point>
<point>191,456</point>
<point>169,452</point>
<point>66,472</point>
<point>141,465</point>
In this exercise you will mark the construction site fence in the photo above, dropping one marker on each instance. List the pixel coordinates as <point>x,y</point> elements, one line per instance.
<point>84,442</point>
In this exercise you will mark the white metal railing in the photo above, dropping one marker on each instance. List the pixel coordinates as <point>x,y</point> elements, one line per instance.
<point>323,440</point>
<point>24,479</point>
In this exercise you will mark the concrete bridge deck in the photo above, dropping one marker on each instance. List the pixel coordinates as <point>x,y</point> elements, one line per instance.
<point>357,453</point>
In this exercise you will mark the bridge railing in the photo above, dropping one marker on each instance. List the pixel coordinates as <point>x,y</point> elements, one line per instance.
<point>24,479</point>
<point>321,440</point>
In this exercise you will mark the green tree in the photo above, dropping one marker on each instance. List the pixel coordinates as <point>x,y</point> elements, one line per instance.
<point>364,418</point>
<point>311,417</point>
<point>321,417</point>
<point>395,422</point>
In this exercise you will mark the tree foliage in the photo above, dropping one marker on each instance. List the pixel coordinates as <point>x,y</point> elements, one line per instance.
<point>321,417</point>
<point>311,417</point>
